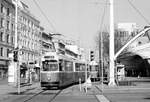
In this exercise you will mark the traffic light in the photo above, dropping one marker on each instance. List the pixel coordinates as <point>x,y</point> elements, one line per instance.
<point>91,55</point>
<point>15,55</point>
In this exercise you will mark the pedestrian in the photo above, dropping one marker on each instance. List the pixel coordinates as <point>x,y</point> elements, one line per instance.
<point>88,84</point>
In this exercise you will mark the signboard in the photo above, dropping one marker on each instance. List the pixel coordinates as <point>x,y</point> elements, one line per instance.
<point>11,73</point>
<point>51,56</point>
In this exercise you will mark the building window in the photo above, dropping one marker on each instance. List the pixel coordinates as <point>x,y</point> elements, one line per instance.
<point>8,11</point>
<point>1,51</point>
<point>12,27</point>
<point>12,40</point>
<point>2,8</point>
<point>7,25</point>
<point>1,36</point>
<point>7,52</point>
<point>7,38</point>
<point>2,22</point>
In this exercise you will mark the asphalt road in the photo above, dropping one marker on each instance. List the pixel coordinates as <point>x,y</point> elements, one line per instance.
<point>138,93</point>
<point>36,95</point>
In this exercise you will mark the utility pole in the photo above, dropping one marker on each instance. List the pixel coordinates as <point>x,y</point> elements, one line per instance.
<point>16,64</point>
<point>111,47</point>
<point>101,54</point>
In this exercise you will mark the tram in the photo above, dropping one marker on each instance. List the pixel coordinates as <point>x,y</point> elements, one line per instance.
<point>93,70</point>
<point>60,70</point>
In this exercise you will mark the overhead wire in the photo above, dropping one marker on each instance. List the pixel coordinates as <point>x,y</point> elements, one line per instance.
<point>137,10</point>
<point>54,30</point>
<point>103,16</point>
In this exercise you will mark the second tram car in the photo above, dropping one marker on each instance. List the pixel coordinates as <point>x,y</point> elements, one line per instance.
<point>60,70</point>
<point>93,70</point>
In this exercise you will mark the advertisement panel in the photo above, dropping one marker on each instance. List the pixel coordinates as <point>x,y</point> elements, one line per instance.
<point>11,73</point>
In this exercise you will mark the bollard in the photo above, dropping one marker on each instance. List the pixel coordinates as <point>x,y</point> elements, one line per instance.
<point>80,83</point>
<point>86,88</point>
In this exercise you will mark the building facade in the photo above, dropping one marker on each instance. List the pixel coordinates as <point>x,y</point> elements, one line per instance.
<point>7,31</point>
<point>47,44</point>
<point>127,31</point>
<point>29,35</point>
<point>29,41</point>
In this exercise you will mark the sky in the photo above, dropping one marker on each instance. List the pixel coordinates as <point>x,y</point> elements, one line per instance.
<point>80,20</point>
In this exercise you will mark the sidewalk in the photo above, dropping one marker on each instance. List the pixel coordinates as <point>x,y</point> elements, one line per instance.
<point>6,89</point>
<point>138,93</point>
<point>74,94</point>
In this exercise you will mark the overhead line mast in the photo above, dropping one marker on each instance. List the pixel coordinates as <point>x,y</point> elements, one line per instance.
<point>111,47</point>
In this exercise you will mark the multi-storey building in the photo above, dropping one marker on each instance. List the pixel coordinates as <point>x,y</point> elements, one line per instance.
<point>29,35</point>
<point>59,44</point>
<point>126,31</point>
<point>123,33</point>
<point>29,40</point>
<point>47,44</point>
<point>7,26</point>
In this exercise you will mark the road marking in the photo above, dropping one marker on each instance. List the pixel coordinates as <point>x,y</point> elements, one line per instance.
<point>102,98</point>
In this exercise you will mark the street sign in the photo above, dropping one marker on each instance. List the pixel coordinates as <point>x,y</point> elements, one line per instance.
<point>11,74</point>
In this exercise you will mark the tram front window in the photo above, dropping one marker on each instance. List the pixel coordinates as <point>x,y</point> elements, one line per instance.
<point>49,66</point>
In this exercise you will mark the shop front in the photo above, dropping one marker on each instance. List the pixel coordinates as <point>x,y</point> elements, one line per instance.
<point>3,69</point>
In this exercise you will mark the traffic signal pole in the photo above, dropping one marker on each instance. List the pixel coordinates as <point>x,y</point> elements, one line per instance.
<point>16,64</point>
<point>111,47</point>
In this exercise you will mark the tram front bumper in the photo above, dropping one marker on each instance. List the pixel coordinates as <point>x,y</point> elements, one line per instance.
<point>49,84</point>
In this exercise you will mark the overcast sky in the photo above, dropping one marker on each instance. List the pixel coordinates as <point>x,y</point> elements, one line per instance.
<point>80,19</point>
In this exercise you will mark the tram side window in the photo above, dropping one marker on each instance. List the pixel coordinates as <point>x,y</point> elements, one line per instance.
<point>61,66</point>
<point>83,67</point>
<point>68,66</point>
<point>50,66</point>
<point>77,66</point>
<point>80,67</point>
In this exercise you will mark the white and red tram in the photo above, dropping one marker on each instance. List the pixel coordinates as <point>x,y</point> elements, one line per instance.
<point>60,70</point>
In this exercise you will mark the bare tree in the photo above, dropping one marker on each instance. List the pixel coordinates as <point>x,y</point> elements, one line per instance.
<point>105,37</point>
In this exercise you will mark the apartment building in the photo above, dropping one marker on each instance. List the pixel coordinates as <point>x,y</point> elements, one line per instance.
<point>29,40</point>
<point>47,44</point>
<point>29,35</point>
<point>7,31</point>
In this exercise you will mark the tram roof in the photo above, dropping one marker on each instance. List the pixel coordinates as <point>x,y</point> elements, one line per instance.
<point>61,56</point>
<point>70,58</point>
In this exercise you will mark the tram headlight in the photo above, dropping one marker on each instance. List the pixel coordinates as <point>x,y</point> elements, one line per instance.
<point>49,78</point>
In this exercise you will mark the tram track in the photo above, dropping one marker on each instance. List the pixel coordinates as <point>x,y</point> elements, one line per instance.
<point>42,93</point>
<point>30,98</point>
<point>55,95</point>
